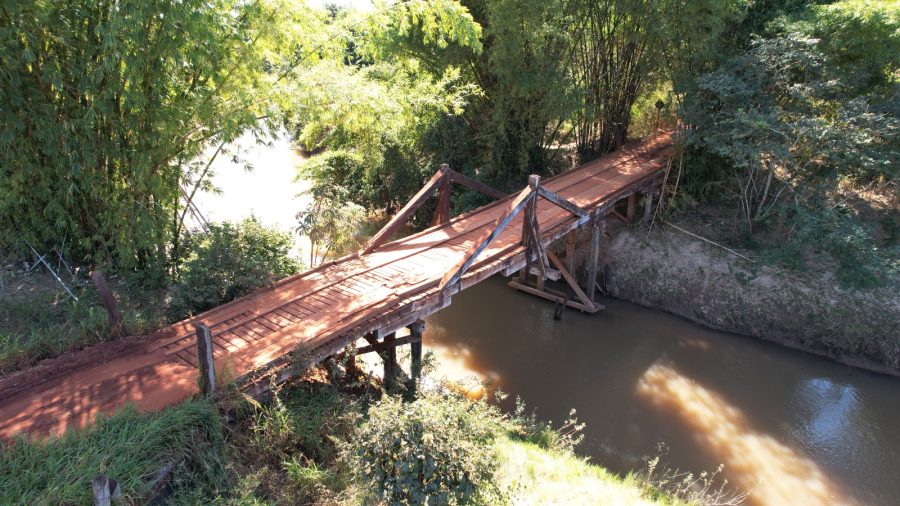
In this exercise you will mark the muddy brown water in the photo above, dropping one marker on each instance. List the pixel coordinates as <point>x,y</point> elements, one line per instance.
<point>790,427</point>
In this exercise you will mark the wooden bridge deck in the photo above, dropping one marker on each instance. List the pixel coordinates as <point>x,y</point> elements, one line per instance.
<point>315,313</point>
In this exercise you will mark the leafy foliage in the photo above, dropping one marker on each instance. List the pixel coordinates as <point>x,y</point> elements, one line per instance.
<point>438,449</point>
<point>332,222</point>
<point>227,262</point>
<point>107,104</point>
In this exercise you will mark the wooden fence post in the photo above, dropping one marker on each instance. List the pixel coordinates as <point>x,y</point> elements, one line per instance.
<point>108,299</point>
<point>205,360</point>
<point>105,490</point>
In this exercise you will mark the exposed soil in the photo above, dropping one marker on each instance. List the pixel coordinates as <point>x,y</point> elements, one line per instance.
<point>666,269</point>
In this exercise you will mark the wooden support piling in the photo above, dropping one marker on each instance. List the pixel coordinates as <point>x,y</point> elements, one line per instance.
<point>648,206</point>
<point>442,213</point>
<point>570,251</point>
<point>629,209</point>
<point>105,490</point>
<point>205,360</point>
<point>390,362</point>
<point>415,350</point>
<point>597,230</point>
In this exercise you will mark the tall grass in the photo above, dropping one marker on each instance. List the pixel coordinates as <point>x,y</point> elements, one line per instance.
<point>129,447</point>
<point>39,323</point>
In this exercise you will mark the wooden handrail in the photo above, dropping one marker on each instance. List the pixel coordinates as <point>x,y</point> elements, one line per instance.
<point>441,179</point>
<point>476,185</point>
<point>562,202</point>
<point>403,215</point>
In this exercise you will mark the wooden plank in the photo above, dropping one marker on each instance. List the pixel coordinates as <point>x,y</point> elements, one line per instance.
<point>404,214</point>
<point>555,298</point>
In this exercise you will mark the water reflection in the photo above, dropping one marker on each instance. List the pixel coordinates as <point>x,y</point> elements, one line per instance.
<point>810,429</point>
<point>772,472</point>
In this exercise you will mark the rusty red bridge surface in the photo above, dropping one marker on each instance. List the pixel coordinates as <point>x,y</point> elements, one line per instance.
<point>307,317</point>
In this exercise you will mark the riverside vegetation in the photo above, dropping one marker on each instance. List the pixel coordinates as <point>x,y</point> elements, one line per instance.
<point>786,116</point>
<point>319,443</point>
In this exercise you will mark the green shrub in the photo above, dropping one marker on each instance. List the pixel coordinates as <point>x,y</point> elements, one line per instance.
<point>439,449</point>
<point>227,262</point>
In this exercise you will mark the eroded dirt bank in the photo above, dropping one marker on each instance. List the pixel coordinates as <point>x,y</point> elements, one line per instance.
<point>668,270</point>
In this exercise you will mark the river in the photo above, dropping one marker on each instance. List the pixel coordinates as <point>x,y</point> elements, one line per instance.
<point>789,427</point>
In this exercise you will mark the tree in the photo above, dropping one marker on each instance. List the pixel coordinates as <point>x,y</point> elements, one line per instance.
<point>331,222</point>
<point>107,105</point>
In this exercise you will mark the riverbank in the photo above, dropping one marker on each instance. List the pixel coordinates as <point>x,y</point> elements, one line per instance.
<point>290,450</point>
<point>666,268</point>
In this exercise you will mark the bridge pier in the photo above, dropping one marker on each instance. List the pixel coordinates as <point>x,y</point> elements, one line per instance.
<point>387,350</point>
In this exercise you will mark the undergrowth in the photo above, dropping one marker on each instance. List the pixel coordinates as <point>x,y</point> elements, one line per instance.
<point>39,320</point>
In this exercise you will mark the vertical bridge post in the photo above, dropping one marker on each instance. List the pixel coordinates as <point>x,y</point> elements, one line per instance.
<point>390,362</point>
<point>415,352</point>
<point>205,360</point>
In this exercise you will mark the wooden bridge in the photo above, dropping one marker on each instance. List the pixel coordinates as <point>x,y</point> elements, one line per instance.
<point>305,318</point>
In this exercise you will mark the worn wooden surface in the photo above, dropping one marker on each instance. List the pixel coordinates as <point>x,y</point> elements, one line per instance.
<point>306,317</point>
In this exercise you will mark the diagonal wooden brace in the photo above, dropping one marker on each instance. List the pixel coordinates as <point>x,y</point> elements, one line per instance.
<point>511,210</point>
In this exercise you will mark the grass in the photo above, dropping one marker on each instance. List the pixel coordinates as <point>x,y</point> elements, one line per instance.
<point>535,475</point>
<point>129,447</point>
<point>39,320</point>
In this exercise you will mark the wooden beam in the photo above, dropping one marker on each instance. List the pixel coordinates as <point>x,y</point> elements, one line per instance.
<point>563,203</point>
<point>386,344</point>
<point>205,360</point>
<point>404,214</point>
<point>390,362</point>
<point>442,213</point>
<point>510,212</point>
<point>555,298</point>
<point>476,185</point>
<point>570,280</point>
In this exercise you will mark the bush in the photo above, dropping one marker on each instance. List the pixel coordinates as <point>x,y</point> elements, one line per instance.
<point>227,262</point>
<point>439,449</point>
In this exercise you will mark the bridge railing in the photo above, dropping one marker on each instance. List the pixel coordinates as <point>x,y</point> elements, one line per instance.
<point>441,181</point>
<point>526,200</point>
